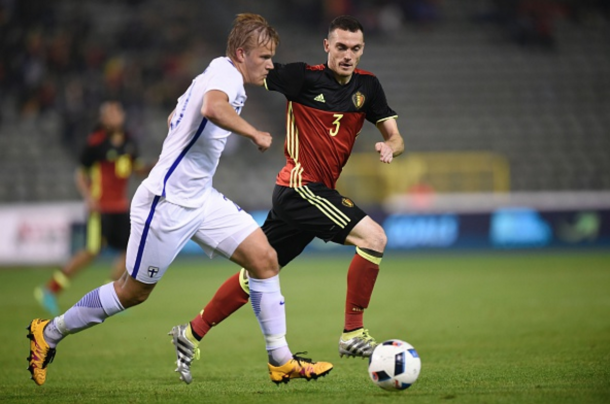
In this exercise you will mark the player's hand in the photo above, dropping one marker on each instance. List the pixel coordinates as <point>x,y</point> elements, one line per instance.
<point>386,154</point>
<point>262,140</point>
<point>92,205</point>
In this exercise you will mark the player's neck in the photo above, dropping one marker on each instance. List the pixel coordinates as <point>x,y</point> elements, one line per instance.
<point>343,80</point>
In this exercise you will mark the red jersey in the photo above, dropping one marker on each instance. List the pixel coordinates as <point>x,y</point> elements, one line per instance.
<point>109,167</point>
<point>323,119</point>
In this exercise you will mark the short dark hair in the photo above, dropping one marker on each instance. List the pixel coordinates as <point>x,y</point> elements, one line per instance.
<point>347,23</point>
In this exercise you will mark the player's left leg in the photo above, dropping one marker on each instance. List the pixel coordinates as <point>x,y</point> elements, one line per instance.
<point>330,216</point>
<point>370,241</point>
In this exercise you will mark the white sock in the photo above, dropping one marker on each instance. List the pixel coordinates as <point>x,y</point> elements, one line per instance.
<point>279,356</point>
<point>95,307</point>
<point>268,304</point>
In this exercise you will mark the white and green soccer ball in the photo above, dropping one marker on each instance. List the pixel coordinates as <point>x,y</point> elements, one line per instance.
<point>394,365</point>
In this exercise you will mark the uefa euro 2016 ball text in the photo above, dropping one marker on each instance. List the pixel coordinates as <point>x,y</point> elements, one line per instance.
<point>394,365</point>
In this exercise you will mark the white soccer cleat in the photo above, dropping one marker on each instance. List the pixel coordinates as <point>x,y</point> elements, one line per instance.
<point>186,351</point>
<point>357,343</point>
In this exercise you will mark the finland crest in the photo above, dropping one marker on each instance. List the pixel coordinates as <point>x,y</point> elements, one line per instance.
<point>152,271</point>
<point>358,99</point>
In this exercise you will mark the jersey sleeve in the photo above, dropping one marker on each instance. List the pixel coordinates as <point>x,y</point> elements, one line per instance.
<point>87,156</point>
<point>229,81</point>
<point>287,79</point>
<point>378,109</point>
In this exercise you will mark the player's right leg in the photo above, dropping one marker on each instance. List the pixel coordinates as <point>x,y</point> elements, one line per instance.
<point>286,240</point>
<point>238,237</point>
<point>92,309</point>
<point>370,241</point>
<point>257,256</point>
<point>150,251</point>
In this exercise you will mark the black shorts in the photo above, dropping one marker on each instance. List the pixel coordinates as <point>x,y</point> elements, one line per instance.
<point>108,229</point>
<point>300,214</point>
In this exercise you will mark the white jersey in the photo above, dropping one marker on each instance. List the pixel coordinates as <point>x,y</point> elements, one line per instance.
<point>192,149</point>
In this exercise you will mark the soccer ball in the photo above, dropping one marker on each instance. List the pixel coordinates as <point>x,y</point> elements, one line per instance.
<point>394,365</point>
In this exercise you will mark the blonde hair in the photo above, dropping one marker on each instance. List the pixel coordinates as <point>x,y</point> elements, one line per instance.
<point>250,31</point>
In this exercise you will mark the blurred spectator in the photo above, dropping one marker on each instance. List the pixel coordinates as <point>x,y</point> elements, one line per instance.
<point>306,12</point>
<point>66,58</point>
<point>421,11</point>
<point>582,11</point>
<point>535,22</point>
<point>532,22</point>
<point>390,19</point>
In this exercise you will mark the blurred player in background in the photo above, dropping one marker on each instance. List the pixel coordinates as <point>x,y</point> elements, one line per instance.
<point>107,161</point>
<point>178,202</point>
<point>327,106</point>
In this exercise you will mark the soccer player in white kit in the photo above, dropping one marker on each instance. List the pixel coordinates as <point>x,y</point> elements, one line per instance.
<point>177,202</point>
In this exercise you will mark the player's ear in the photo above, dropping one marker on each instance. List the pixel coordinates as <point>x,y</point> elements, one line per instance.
<point>240,55</point>
<point>326,45</point>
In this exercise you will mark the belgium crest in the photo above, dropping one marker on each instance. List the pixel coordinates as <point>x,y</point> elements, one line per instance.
<point>347,202</point>
<point>358,99</point>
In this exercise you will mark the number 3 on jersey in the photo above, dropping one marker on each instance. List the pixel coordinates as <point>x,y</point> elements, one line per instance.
<point>333,132</point>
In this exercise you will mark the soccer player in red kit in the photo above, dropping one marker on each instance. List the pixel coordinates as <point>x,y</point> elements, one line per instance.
<point>327,105</point>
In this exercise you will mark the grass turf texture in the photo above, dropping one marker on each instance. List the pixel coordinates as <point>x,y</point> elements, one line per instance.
<point>492,328</point>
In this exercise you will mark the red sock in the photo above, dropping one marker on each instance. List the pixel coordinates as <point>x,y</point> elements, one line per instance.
<point>228,298</point>
<point>361,278</point>
<point>58,282</point>
<point>54,286</point>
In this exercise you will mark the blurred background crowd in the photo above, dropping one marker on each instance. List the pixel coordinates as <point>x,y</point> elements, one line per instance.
<point>525,80</point>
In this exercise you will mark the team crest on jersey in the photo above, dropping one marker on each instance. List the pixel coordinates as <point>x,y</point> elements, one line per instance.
<point>347,202</point>
<point>358,100</point>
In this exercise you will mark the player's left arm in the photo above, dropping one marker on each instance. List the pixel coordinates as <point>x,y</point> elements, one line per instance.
<point>393,144</point>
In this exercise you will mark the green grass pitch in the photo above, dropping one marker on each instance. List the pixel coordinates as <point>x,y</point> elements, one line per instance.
<point>520,327</point>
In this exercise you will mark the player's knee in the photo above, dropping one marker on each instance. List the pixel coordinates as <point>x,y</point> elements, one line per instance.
<point>265,265</point>
<point>383,240</point>
<point>132,294</point>
<point>270,261</point>
<point>140,297</point>
<point>377,239</point>
<point>134,299</point>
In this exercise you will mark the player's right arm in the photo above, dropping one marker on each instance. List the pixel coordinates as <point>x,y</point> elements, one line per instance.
<point>216,109</point>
